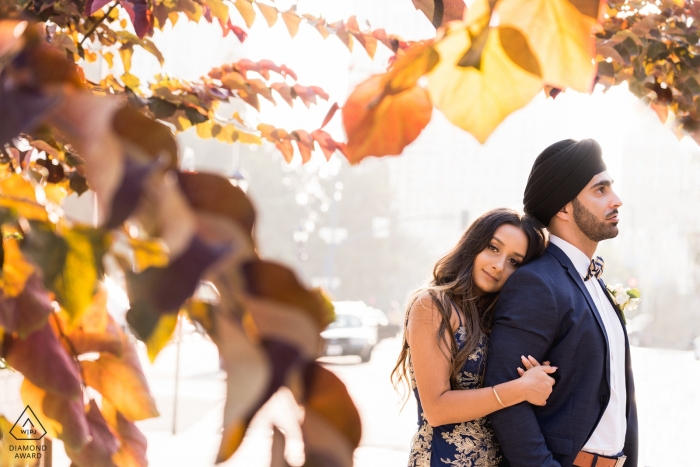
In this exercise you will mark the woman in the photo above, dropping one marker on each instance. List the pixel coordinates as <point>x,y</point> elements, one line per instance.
<point>445,340</point>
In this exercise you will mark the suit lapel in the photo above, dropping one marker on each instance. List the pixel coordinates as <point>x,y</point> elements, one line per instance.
<point>566,262</point>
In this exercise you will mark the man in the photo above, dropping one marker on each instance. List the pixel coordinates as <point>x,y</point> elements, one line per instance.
<point>556,309</point>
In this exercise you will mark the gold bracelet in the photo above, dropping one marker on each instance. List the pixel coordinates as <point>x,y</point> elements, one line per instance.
<point>498,398</point>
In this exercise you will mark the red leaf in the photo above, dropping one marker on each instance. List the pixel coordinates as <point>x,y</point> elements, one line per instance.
<point>42,360</point>
<point>102,446</point>
<point>331,112</point>
<point>132,443</point>
<point>141,16</point>
<point>285,91</point>
<point>92,6</point>
<point>305,143</point>
<point>326,143</point>
<point>28,311</point>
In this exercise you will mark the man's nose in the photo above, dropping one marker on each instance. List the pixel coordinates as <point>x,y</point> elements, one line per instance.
<point>615,202</point>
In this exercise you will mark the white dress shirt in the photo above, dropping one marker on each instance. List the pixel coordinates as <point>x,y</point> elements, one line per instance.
<point>608,439</point>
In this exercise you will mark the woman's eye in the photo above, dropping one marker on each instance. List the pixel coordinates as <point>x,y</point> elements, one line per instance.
<point>514,262</point>
<point>493,248</point>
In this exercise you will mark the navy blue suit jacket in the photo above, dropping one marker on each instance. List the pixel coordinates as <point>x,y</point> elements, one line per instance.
<point>545,310</point>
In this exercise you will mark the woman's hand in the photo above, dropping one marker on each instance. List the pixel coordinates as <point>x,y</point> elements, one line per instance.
<point>536,380</point>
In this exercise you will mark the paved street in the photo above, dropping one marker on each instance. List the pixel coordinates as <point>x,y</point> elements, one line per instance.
<point>668,386</point>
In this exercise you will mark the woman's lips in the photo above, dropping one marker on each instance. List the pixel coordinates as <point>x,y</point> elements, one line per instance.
<point>489,276</point>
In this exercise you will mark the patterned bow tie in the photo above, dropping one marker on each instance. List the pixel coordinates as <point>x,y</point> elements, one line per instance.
<point>595,269</point>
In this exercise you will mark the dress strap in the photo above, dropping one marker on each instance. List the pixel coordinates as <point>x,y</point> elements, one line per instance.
<point>459,315</point>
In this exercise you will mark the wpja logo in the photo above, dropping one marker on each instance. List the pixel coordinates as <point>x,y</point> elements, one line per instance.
<point>27,428</point>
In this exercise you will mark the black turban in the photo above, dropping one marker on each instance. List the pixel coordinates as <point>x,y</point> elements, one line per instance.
<point>559,174</point>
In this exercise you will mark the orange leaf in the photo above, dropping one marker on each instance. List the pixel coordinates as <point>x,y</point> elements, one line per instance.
<point>122,382</point>
<point>285,91</point>
<point>447,10</point>
<point>332,427</point>
<point>331,112</point>
<point>379,125</point>
<point>326,143</point>
<point>305,143</point>
<point>368,42</point>
<point>292,21</point>
<point>63,418</point>
<point>248,375</point>
<point>245,8</point>
<point>132,443</point>
<point>269,12</point>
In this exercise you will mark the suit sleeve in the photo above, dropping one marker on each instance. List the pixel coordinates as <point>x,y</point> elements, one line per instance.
<point>525,323</point>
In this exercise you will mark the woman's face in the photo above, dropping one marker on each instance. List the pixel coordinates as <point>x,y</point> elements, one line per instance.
<point>500,258</point>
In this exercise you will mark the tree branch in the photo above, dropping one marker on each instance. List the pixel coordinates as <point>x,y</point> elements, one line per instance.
<point>96,25</point>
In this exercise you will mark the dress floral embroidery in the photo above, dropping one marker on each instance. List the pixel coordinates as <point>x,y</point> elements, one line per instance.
<point>468,444</point>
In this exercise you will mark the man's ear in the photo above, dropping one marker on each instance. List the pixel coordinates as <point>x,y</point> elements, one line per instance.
<point>566,212</point>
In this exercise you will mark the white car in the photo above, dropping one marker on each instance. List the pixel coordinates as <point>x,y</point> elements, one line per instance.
<point>348,335</point>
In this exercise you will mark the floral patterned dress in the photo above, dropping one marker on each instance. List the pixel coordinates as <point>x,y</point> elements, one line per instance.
<point>468,444</point>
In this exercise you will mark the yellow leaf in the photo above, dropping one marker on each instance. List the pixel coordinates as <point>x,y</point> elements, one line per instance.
<point>90,57</point>
<point>77,283</point>
<point>15,269</point>
<point>204,129</point>
<point>149,252</point>
<point>219,9</point>
<point>130,81</point>
<point>19,194</point>
<point>126,53</point>
<point>245,8</point>
<point>109,58</point>
<point>249,138</point>
<point>560,37</point>
<point>478,100</point>
<point>292,21</point>
<point>161,335</point>
<point>121,381</point>
<point>55,193</point>
<point>269,12</point>
<point>228,134</point>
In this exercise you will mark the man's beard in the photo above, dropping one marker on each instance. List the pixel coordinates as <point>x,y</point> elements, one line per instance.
<point>591,227</point>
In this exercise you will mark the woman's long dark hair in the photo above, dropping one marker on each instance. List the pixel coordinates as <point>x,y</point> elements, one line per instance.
<point>452,286</point>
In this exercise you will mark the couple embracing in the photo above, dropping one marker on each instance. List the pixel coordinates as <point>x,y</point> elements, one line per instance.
<point>516,353</point>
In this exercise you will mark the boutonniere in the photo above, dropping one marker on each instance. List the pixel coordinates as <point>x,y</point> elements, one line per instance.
<point>625,298</point>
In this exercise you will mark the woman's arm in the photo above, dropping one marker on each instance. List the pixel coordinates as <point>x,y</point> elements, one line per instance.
<point>431,368</point>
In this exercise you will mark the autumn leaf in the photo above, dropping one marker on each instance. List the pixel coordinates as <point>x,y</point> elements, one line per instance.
<point>269,12</point>
<point>15,269</point>
<point>102,446</point>
<point>379,125</point>
<point>132,443</point>
<point>41,358</point>
<point>62,417</point>
<point>28,311</point>
<point>148,252</point>
<point>440,11</point>
<point>479,100</point>
<point>161,335</point>
<point>77,283</point>
<point>331,427</point>
<point>245,8</point>
<point>19,194</point>
<point>121,381</point>
<point>292,21</point>
<point>95,332</point>
<point>560,38</point>
<point>248,375</point>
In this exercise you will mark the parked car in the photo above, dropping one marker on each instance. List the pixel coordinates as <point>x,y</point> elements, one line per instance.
<point>348,335</point>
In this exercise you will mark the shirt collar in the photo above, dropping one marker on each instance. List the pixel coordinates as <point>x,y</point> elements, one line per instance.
<point>579,259</point>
